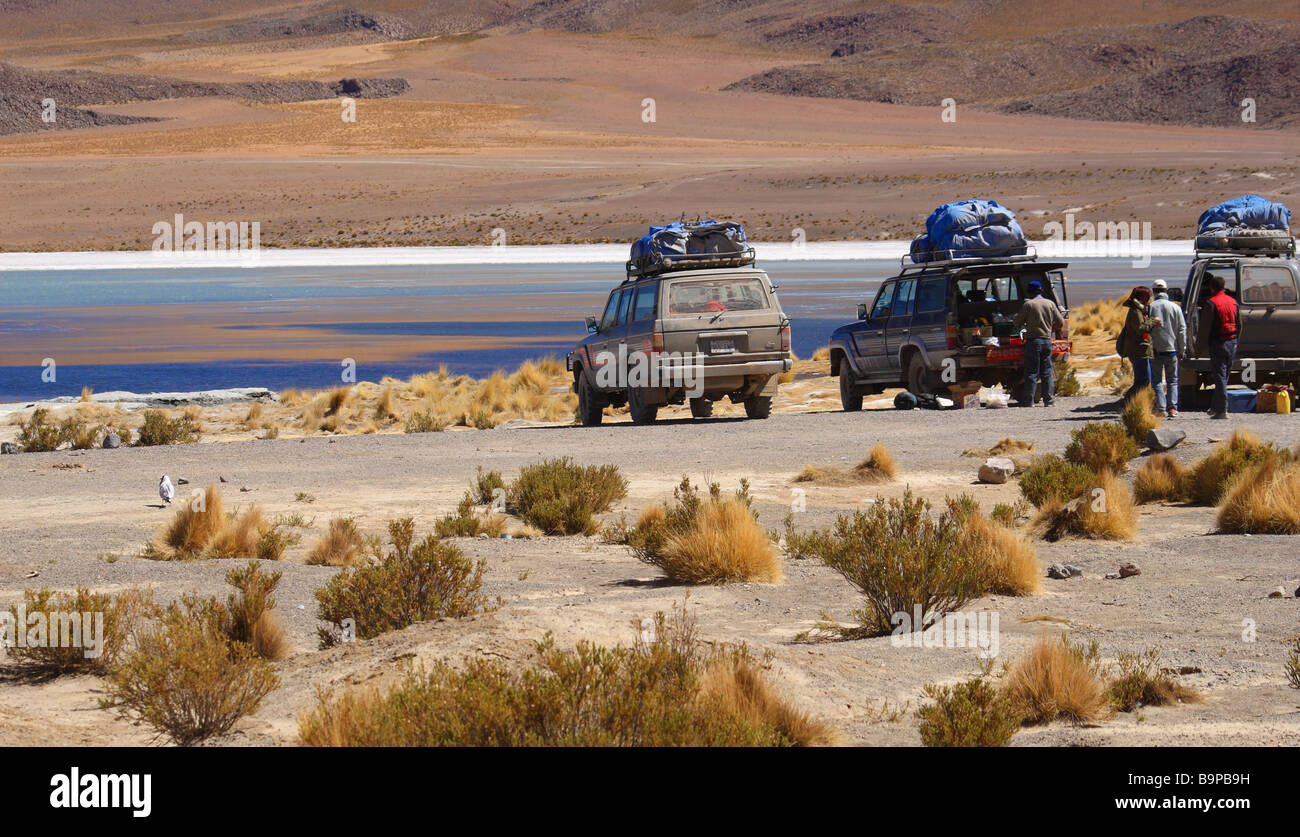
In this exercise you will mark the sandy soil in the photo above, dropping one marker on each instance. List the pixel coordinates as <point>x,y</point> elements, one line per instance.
<point>541,134</point>
<point>82,518</point>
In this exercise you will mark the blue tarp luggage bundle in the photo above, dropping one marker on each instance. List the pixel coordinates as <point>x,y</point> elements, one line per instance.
<point>1249,222</point>
<point>682,246</point>
<point>969,229</point>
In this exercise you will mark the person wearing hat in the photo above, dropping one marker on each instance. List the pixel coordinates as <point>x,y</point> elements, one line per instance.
<point>1041,320</point>
<point>1168,343</point>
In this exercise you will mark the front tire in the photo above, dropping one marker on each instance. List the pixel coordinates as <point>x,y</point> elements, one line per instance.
<point>758,406</point>
<point>850,400</point>
<point>701,408</point>
<point>590,408</point>
<point>642,413</point>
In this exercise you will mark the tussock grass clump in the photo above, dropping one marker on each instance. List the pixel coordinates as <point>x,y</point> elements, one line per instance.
<point>1140,682</point>
<point>899,557</point>
<point>1104,510</point>
<point>251,618</point>
<point>70,638</point>
<point>385,409</point>
<point>1292,665</point>
<point>1211,477</point>
<point>414,582</point>
<point>342,545</point>
<point>701,540</point>
<point>1057,679</point>
<point>669,690</point>
<point>39,433</point>
<point>186,678</point>
<point>467,523</point>
<point>1101,446</point>
<point>1139,415</point>
<point>970,714</point>
<point>1263,500</point>
<point>1160,477</point>
<point>878,467</point>
<point>1011,564</point>
<point>1052,479</point>
<point>560,497</point>
<point>200,528</point>
<point>158,429</point>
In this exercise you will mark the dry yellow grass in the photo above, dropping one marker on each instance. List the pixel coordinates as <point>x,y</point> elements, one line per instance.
<point>384,409</point>
<point>239,536</point>
<point>1005,447</point>
<point>1104,316</point>
<point>1012,562</point>
<point>1212,477</point>
<point>1160,477</point>
<point>342,545</point>
<point>1139,415</point>
<point>1105,510</point>
<point>1054,680</point>
<point>879,466</point>
<point>739,688</point>
<point>1265,500</point>
<point>201,528</point>
<point>726,544</point>
<point>86,392</point>
<point>269,639</point>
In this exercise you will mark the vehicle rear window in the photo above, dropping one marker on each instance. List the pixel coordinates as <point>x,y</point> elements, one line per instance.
<point>1267,285</point>
<point>932,295</point>
<point>710,296</point>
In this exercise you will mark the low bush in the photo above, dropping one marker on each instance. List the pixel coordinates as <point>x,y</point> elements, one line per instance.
<point>1264,500</point>
<point>486,486</point>
<point>1210,478</point>
<point>1050,478</point>
<point>39,433</point>
<point>423,421</point>
<point>706,540</point>
<point>668,691</point>
<point>969,714</point>
<point>1064,380</point>
<point>71,622</point>
<point>342,545</point>
<point>1057,679</point>
<point>251,618</point>
<point>1010,563</point>
<point>1104,510</point>
<point>1140,682</point>
<point>79,433</point>
<point>412,583</point>
<point>560,497</point>
<point>158,429</point>
<point>1292,666</point>
<point>1101,446</point>
<point>200,528</point>
<point>468,523</point>
<point>900,557</point>
<point>1160,478</point>
<point>186,678</point>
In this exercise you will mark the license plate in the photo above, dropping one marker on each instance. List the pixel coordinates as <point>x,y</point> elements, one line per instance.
<point>722,347</point>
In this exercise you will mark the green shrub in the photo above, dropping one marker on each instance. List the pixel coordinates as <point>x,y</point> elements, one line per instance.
<point>900,557</point>
<point>468,523</point>
<point>80,434</point>
<point>1051,478</point>
<point>1293,665</point>
<point>969,714</point>
<point>1142,683</point>
<point>562,498</point>
<point>39,433</point>
<point>186,679</point>
<point>668,691</point>
<point>423,421</point>
<point>1101,446</point>
<point>1064,380</point>
<point>65,646</point>
<point>412,583</point>
<point>485,487</point>
<point>250,618</point>
<point>160,430</point>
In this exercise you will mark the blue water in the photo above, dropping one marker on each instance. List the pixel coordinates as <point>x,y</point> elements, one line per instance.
<point>43,313</point>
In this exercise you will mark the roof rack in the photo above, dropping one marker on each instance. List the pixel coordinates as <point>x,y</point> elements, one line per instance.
<point>1030,255</point>
<point>688,261</point>
<point>1288,251</point>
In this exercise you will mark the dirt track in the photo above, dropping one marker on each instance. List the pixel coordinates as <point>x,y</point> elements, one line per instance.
<point>1190,600</point>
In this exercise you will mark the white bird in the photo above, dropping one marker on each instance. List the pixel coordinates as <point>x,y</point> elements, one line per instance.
<point>165,490</point>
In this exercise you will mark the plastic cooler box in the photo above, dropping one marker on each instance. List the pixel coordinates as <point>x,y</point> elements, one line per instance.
<point>1241,400</point>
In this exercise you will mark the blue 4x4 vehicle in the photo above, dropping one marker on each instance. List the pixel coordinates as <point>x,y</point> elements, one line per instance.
<point>944,322</point>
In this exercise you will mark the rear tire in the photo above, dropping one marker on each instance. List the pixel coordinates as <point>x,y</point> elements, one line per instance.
<point>850,400</point>
<point>590,408</point>
<point>758,406</point>
<point>917,375</point>
<point>701,408</point>
<point>642,413</point>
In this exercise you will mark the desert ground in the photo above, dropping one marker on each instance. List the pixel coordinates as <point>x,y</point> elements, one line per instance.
<point>83,517</point>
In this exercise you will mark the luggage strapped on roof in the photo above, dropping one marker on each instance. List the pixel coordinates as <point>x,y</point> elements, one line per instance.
<point>694,246</point>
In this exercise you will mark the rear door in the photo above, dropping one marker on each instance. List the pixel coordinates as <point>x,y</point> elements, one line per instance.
<point>899,330</point>
<point>727,317</point>
<point>1270,309</point>
<point>929,314</point>
<point>869,337</point>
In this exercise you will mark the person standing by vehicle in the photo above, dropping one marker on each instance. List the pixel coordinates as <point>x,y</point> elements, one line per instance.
<point>1041,320</point>
<point>1168,343</point>
<point>1218,330</point>
<point>1134,341</point>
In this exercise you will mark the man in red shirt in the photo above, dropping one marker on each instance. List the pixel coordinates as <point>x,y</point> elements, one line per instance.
<point>1218,330</point>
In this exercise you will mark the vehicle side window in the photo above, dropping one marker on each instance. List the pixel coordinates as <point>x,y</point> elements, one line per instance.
<point>1229,281</point>
<point>625,308</point>
<point>884,301</point>
<point>646,297</point>
<point>903,299</point>
<point>1267,285</point>
<point>611,310</point>
<point>932,294</point>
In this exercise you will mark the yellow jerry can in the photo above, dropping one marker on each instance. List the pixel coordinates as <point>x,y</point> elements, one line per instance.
<point>1283,402</point>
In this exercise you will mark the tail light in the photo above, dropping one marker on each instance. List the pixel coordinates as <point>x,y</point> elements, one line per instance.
<point>785,337</point>
<point>951,333</point>
<point>657,343</point>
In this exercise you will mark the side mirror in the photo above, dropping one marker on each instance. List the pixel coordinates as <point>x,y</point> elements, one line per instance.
<point>1175,294</point>
<point>592,325</point>
<point>862,310</point>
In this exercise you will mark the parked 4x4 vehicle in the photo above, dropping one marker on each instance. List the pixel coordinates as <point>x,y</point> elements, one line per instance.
<point>944,322</point>
<point>699,334</point>
<point>1265,281</point>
